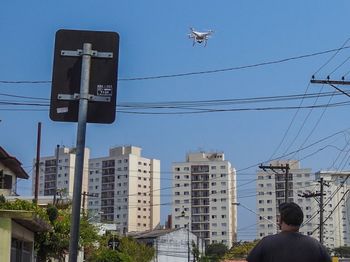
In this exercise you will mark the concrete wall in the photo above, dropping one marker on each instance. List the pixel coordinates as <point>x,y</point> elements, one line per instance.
<point>8,230</point>
<point>173,247</point>
<point>5,243</point>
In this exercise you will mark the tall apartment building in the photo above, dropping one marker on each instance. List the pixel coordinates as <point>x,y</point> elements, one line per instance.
<point>59,176</point>
<point>204,190</point>
<point>336,226</point>
<point>270,189</point>
<point>271,193</point>
<point>126,188</point>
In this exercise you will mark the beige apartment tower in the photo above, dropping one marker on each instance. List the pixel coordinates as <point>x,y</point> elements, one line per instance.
<point>204,192</point>
<point>124,189</point>
<point>56,173</point>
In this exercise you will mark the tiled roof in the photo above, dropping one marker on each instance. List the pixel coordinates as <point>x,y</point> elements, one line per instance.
<point>13,164</point>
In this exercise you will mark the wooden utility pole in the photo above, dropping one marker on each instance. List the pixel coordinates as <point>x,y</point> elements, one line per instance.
<point>37,164</point>
<point>85,194</point>
<point>286,174</point>
<point>320,195</point>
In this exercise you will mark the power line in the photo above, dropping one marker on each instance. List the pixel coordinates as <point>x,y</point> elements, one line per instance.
<point>211,102</point>
<point>301,102</point>
<point>199,72</point>
<point>331,58</point>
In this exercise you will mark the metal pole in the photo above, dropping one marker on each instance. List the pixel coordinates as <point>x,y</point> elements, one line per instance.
<point>286,184</point>
<point>57,156</point>
<point>321,211</point>
<point>37,162</point>
<point>79,160</point>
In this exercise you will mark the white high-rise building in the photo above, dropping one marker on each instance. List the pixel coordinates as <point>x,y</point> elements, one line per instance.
<point>204,192</point>
<point>271,193</point>
<point>336,217</point>
<point>59,177</point>
<point>124,189</point>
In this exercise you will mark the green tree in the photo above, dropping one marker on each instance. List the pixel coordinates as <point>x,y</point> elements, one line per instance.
<point>138,252</point>
<point>216,251</point>
<point>2,199</point>
<point>195,252</point>
<point>55,244</point>
<point>128,250</point>
<point>240,249</point>
<point>106,255</point>
<point>343,251</point>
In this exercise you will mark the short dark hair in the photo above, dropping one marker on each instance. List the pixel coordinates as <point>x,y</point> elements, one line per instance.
<point>291,214</point>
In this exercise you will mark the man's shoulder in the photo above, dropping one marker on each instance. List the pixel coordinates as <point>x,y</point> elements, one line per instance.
<point>286,236</point>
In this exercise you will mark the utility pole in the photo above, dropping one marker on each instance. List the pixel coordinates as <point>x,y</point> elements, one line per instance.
<point>188,242</point>
<point>286,175</point>
<point>37,163</point>
<point>321,210</point>
<point>183,213</point>
<point>318,194</point>
<point>332,83</point>
<point>85,194</point>
<point>55,192</point>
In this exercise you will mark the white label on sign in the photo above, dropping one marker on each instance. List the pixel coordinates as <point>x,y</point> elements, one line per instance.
<point>62,110</point>
<point>104,90</point>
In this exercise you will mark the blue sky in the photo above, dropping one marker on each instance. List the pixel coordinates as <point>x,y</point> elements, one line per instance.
<point>153,42</point>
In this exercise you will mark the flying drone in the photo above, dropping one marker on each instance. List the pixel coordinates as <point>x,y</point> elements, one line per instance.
<point>200,37</point>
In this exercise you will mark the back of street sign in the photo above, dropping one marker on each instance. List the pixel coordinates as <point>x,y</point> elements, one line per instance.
<point>66,76</point>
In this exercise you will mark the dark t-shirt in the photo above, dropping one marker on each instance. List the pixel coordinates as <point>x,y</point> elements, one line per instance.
<point>288,247</point>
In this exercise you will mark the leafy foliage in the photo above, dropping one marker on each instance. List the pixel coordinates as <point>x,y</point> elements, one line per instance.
<point>136,251</point>
<point>240,249</point>
<point>2,199</point>
<point>55,243</point>
<point>26,206</point>
<point>52,213</point>
<point>343,251</point>
<point>216,251</point>
<point>129,250</point>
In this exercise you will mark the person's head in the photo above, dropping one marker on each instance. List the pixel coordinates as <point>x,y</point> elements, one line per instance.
<point>291,216</point>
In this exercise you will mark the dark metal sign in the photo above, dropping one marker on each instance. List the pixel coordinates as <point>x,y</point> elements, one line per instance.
<point>67,76</point>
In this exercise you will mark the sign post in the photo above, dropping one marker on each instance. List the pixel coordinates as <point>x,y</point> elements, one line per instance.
<point>79,159</point>
<point>79,85</point>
